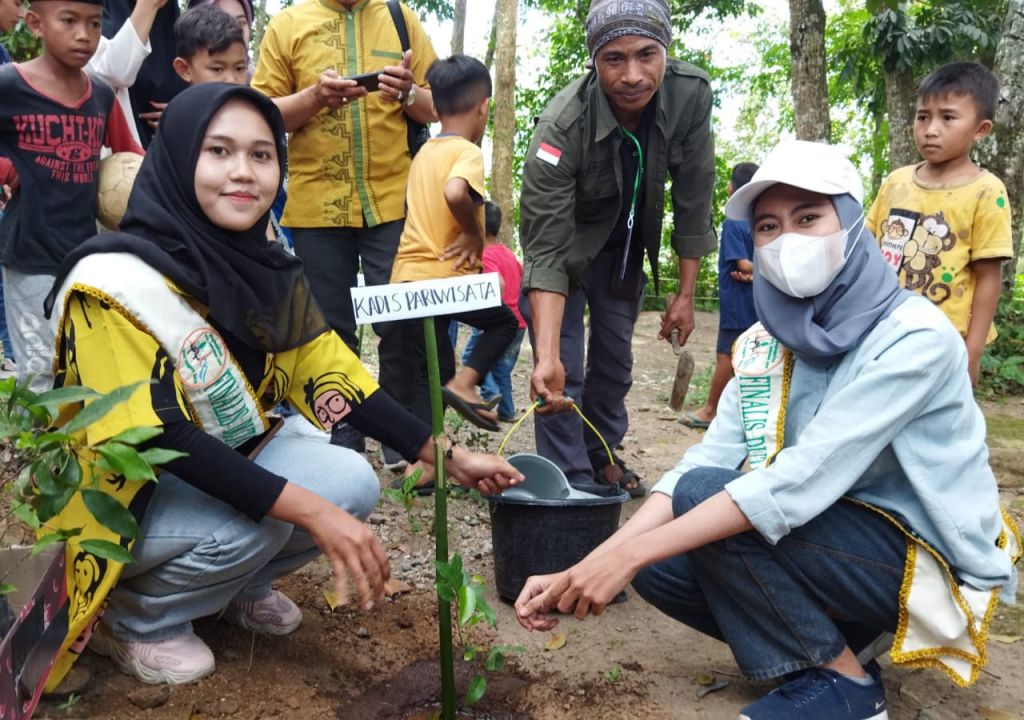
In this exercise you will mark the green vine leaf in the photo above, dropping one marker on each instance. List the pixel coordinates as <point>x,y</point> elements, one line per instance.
<point>108,551</point>
<point>111,513</point>
<point>476,690</point>
<point>134,436</point>
<point>99,407</point>
<point>126,461</point>
<point>161,456</point>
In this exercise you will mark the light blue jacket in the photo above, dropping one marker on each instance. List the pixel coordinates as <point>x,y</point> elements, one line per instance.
<point>894,424</point>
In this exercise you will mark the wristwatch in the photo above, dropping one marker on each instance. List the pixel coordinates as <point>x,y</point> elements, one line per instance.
<point>411,99</point>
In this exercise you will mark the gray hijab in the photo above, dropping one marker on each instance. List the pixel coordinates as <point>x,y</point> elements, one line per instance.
<point>820,330</point>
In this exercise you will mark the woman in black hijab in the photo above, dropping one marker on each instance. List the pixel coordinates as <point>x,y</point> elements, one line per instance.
<point>191,297</point>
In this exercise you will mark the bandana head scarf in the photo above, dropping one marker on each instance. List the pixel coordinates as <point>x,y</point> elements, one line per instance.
<point>611,19</point>
<point>253,289</point>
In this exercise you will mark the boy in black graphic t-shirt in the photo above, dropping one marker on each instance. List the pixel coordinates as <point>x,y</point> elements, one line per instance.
<point>53,121</point>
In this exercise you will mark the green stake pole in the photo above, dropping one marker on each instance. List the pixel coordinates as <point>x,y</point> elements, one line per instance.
<point>444,610</point>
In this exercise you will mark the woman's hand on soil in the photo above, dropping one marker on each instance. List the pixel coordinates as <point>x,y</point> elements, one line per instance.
<point>532,604</point>
<point>354,553</point>
<point>585,588</point>
<point>489,474</point>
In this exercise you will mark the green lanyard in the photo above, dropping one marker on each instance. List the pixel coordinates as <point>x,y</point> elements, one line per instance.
<point>632,204</point>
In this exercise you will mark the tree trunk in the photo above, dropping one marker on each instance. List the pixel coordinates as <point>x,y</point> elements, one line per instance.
<point>459,27</point>
<point>504,114</point>
<point>260,20</point>
<point>809,82</point>
<point>1003,153</point>
<point>900,103</point>
<point>492,41</point>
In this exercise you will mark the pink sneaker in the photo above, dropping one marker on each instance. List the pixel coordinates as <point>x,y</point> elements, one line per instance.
<point>275,614</point>
<point>182,659</point>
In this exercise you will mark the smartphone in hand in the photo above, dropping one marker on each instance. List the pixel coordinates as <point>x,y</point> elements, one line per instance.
<point>370,81</point>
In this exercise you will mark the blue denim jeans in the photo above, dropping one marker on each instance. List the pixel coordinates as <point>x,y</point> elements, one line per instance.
<point>197,553</point>
<point>787,607</point>
<point>499,380</point>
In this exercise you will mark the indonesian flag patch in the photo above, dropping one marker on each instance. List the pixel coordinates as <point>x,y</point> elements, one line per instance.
<point>549,154</point>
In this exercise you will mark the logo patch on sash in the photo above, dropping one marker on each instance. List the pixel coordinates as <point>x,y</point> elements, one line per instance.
<point>757,353</point>
<point>202,358</point>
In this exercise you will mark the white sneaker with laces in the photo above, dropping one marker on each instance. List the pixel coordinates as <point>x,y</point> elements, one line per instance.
<point>274,614</point>
<point>179,660</point>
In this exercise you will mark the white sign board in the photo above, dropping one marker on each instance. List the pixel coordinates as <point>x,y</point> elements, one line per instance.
<point>425,298</point>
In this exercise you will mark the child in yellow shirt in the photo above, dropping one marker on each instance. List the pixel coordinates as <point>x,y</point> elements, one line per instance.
<point>944,224</point>
<point>444,235</point>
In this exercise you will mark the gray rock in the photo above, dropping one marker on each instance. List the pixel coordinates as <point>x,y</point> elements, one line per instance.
<point>149,697</point>
<point>377,519</point>
<point>362,633</point>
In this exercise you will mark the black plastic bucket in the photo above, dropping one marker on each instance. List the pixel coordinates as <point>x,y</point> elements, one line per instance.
<point>533,536</point>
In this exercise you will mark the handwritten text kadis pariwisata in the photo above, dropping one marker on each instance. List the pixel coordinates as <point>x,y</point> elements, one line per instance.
<point>425,298</point>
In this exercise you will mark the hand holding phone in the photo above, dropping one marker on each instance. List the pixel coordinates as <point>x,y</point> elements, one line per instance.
<point>370,81</point>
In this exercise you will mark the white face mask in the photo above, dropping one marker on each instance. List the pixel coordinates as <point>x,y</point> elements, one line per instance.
<point>802,266</point>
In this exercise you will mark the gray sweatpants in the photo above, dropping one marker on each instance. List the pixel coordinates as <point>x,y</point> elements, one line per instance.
<point>31,334</point>
<point>598,381</point>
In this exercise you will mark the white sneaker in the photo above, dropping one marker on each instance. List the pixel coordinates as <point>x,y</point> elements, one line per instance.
<point>179,660</point>
<point>275,614</point>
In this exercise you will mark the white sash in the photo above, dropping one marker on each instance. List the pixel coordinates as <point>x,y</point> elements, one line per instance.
<point>942,624</point>
<point>223,401</point>
<point>763,369</point>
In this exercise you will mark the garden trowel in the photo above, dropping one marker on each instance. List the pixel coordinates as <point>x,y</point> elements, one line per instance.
<point>684,368</point>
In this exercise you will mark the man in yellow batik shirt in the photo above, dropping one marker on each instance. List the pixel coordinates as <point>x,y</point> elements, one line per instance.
<point>348,155</point>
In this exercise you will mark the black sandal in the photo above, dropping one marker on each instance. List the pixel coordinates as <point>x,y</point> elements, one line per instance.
<point>600,464</point>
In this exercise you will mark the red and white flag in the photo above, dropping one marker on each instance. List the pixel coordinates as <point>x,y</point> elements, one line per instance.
<point>549,154</point>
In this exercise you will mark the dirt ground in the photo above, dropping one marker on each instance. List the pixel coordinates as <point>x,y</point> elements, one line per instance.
<point>631,662</point>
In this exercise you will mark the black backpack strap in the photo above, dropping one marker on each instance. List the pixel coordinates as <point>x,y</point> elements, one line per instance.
<point>398,19</point>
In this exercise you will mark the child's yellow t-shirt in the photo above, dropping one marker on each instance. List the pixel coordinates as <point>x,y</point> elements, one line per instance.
<point>932,234</point>
<point>429,225</point>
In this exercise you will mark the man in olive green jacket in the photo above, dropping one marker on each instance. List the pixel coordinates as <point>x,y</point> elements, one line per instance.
<point>592,206</point>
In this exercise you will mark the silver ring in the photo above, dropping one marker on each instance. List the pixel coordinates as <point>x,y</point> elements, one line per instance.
<point>399,94</point>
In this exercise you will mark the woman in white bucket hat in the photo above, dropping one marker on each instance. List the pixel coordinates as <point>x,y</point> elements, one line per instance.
<point>869,506</point>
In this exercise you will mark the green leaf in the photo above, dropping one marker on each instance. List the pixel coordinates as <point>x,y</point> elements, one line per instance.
<point>99,407</point>
<point>24,512</point>
<point>469,653</point>
<point>445,592</point>
<point>53,399</point>
<point>496,657</point>
<point>71,476</point>
<point>484,609</point>
<point>49,506</point>
<point>110,513</point>
<point>108,550</point>
<point>410,482</point>
<point>161,456</point>
<point>476,690</point>
<point>134,436</point>
<point>42,474</point>
<point>126,461</point>
<point>467,603</point>
<point>495,661</point>
<point>6,588</point>
<point>46,541</point>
